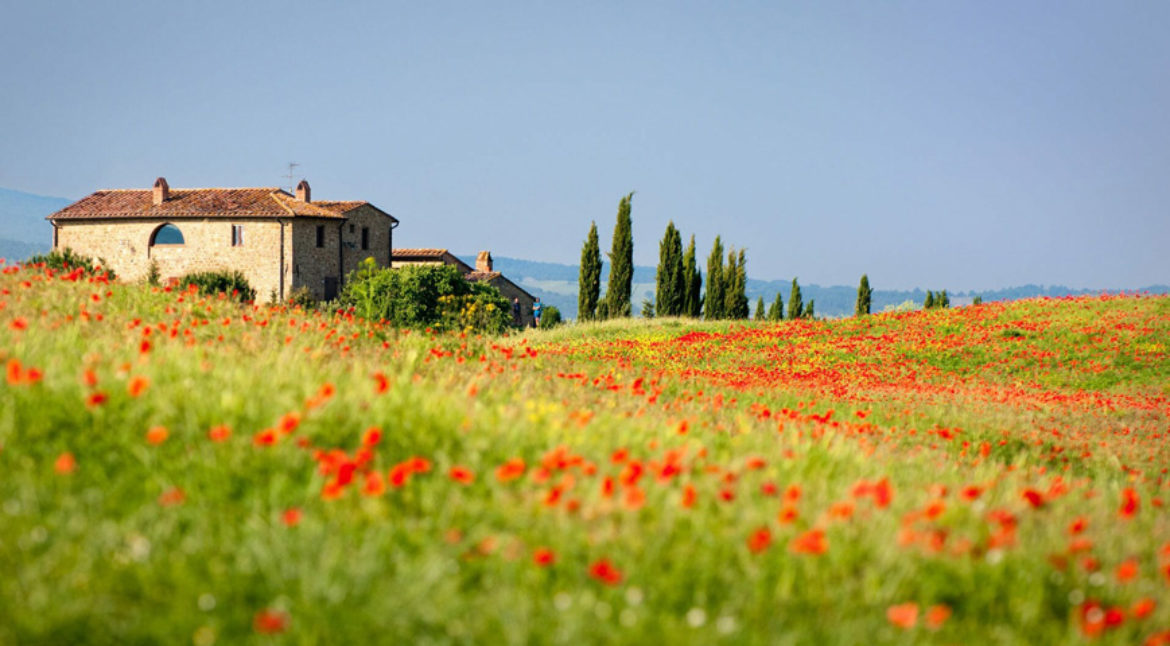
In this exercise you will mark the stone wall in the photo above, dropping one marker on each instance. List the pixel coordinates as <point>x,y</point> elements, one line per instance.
<point>207,246</point>
<point>509,290</point>
<point>312,265</point>
<point>351,238</point>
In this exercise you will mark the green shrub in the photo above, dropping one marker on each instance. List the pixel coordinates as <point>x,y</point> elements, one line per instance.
<point>418,296</point>
<point>232,283</point>
<point>550,317</point>
<point>153,276</point>
<point>68,260</point>
<point>302,297</point>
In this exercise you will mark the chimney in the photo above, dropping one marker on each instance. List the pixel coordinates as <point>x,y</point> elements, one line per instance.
<point>162,192</point>
<point>483,261</point>
<point>303,192</point>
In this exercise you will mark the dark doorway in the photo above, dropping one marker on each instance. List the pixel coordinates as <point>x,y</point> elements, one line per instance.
<point>330,288</point>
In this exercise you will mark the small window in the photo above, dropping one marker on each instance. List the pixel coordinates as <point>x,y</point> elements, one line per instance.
<point>237,235</point>
<point>351,228</point>
<point>365,237</point>
<point>167,234</point>
<point>320,235</point>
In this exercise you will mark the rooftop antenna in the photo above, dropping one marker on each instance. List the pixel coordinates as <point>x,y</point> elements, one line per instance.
<point>291,177</point>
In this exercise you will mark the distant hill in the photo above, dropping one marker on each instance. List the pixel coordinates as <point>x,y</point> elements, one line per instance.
<point>23,228</point>
<point>556,284</point>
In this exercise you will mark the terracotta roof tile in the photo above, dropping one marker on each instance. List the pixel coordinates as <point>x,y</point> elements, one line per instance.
<point>341,206</point>
<point>482,275</point>
<point>419,253</point>
<point>201,203</point>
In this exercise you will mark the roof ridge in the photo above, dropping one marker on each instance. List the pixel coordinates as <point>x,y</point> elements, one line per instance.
<point>272,189</point>
<point>279,202</point>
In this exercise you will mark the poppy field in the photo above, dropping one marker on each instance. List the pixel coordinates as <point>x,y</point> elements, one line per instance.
<point>177,468</point>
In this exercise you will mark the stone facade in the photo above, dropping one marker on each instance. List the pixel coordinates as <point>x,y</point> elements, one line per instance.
<point>207,246</point>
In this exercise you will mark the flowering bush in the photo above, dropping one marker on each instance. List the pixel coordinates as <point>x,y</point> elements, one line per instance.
<point>421,296</point>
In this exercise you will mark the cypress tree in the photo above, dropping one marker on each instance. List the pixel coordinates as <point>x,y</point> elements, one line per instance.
<point>776,312</point>
<point>589,278</point>
<point>944,301</point>
<point>647,308</point>
<point>621,263</point>
<point>808,309</point>
<point>737,302</point>
<point>795,302</point>
<point>864,293</point>
<point>760,315</point>
<point>730,286</point>
<point>741,268</point>
<point>693,303</point>
<point>929,302</point>
<point>671,291</point>
<point>978,300</point>
<point>714,299</point>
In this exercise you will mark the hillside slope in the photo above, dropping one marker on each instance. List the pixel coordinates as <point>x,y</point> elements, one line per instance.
<point>181,468</point>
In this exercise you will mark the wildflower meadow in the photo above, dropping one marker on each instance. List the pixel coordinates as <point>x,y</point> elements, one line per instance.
<point>178,468</point>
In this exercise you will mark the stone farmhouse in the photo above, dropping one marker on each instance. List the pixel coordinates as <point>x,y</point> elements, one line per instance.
<point>280,242</point>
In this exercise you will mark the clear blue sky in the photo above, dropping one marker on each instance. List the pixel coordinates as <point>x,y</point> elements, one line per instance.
<point>963,145</point>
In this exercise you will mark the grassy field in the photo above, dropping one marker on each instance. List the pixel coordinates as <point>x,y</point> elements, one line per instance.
<point>181,469</point>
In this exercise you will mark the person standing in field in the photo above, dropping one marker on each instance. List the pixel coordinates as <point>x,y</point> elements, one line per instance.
<point>516,319</point>
<point>537,306</point>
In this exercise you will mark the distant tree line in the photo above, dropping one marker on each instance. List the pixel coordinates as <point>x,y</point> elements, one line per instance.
<point>679,285</point>
<point>938,300</point>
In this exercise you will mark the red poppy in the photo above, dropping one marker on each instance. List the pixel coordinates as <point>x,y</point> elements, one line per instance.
<point>15,372</point>
<point>291,517</point>
<point>1130,503</point>
<point>372,436</point>
<point>510,470</point>
<point>634,498</point>
<point>903,615</point>
<point>462,475</point>
<point>1142,608</point>
<point>267,437</point>
<point>270,622</point>
<point>289,422</point>
<point>759,540</point>
<point>419,465</point>
<point>544,557</point>
<point>65,464</point>
<point>1126,571</point>
<point>792,493</point>
<point>399,474</point>
<point>605,572</point>
<point>172,497</point>
<point>219,433</point>
<point>811,542</point>
<point>1034,498</point>
<point>157,435</point>
<point>937,616</point>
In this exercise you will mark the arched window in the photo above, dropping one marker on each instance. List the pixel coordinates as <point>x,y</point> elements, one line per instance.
<point>166,234</point>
